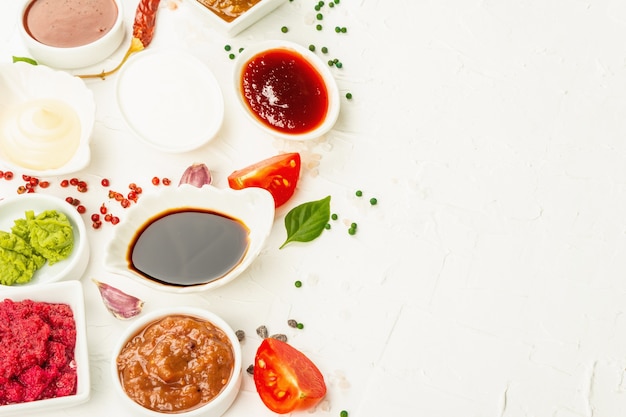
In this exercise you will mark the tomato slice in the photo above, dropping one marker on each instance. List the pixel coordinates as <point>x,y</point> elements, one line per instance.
<point>279,175</point>
<point>285,378</point>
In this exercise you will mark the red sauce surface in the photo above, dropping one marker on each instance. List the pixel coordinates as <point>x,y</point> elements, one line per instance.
<point>69,23</point>
<point>285,91</point>
<point>37,342</point>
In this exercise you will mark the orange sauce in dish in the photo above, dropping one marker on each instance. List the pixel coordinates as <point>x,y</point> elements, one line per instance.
<point>228,10</point>
<point>176,364</point>
<point>69,23</point>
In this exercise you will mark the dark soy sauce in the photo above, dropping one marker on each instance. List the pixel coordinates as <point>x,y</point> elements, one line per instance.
<point>188,246</point>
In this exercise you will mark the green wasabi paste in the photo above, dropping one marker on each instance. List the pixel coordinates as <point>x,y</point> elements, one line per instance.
<point>18,260</point>
<point>34,240</point>
<point>49,233</point>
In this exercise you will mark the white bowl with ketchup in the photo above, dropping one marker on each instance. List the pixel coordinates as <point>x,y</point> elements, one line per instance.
<point>68,34</point>
<point>286,90</point>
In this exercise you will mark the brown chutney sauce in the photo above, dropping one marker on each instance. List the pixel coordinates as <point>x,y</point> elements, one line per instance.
<point>228,10</point>
<point>175,364</point>
<point>188,246</point>
<point>69,23</point>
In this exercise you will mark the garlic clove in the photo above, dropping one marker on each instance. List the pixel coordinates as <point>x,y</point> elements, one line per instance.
<point>197,174</point>
<point>123,306</point>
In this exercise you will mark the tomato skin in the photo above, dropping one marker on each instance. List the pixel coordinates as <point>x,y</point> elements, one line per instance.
<point>285,378</point>
<point>279,175</point>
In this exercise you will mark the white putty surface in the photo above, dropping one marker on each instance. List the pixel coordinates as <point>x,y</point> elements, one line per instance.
<point>490,280</point>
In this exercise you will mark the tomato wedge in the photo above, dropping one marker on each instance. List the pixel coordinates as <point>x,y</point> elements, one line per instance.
<point>279,175</point>
<point>285,378</point>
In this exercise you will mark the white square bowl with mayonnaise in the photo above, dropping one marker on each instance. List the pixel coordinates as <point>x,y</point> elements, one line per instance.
<point>46,120</point>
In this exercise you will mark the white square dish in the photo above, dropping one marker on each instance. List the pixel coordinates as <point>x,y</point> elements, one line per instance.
<point>241,22</point>
<point>70,293</point>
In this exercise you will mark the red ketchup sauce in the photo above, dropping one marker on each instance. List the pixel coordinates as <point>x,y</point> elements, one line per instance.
<point>285,91</point>
<point>69,23</point>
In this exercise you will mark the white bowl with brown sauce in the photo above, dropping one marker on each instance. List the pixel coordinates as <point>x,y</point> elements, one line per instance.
<point>233,16</point>
<point>186,239</point>
<point>70,34</point>
<point>182,361</point>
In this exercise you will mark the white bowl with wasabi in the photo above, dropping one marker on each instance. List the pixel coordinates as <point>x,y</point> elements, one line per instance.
<point>42,239</point>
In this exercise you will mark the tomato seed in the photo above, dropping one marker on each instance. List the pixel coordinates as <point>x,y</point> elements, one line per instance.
<point>81,209</point>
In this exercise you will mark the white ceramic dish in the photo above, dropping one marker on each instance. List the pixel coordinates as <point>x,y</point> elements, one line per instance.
<point>170,99</point>
<point>77,56</point>
<point>23,85</point>
<point>254,207</point>
<point>218,405</point>
<point>332,112</point>
<point>71,268</point>
<point>245,20</point>
<point>71,293</point>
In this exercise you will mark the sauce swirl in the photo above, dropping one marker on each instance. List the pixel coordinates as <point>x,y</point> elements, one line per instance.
<point>40,134</point>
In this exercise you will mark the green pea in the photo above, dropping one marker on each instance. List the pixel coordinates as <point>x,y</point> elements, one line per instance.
<point>227,47</point>
<point>300,326</point>
<point>349,97</point>
<point>359,193</point>
<point>284,29</point>
<point>318,27</point>
<point>373,201</point>
<point>298,284</point>
<point>319,16</point>
<point>334,216</point>
<point>343,413</point>
<point>312,48</point>
<point>327,226</point>
<point>324,50</point>
<point>231,56</point>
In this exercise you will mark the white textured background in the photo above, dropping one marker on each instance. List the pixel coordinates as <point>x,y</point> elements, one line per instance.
<point>490,280</point>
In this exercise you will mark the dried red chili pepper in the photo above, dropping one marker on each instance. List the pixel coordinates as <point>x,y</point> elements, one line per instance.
<point>143,32</point>
<point>145,20</point>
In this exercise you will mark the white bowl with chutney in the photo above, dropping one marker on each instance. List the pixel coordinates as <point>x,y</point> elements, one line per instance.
<point>234,16</point>
<point>186,239</point>
<point>70,34</point>
<point>187,358</point>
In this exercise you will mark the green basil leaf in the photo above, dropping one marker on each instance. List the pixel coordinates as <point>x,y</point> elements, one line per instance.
<point>307,221</point>
<point>24,59</point>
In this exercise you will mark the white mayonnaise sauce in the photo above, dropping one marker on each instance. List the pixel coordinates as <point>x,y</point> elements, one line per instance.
<point>40,134</point>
